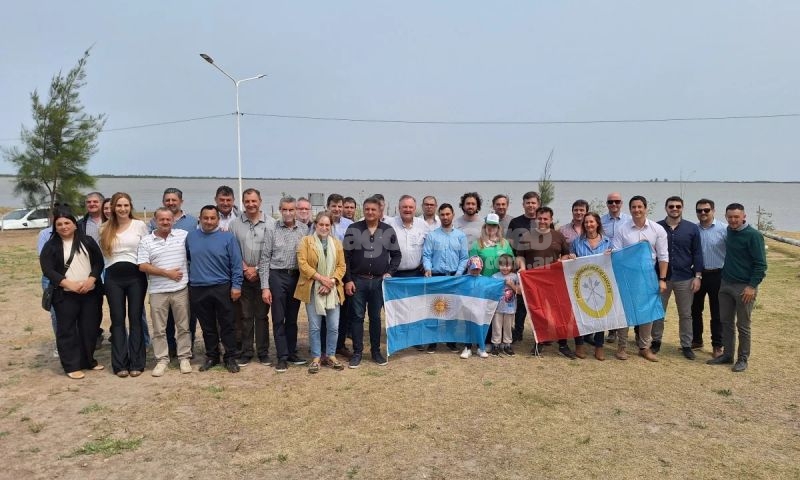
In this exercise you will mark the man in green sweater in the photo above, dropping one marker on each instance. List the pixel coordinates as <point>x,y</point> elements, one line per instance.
<point>744,269</point>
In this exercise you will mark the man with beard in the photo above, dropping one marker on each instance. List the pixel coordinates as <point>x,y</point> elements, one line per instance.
<point>470,222</point>
<point>517,228</point>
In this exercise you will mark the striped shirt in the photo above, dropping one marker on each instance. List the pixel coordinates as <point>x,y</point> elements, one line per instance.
<point>166,254</point>
<point>712,242</point>
<point>251,236</point>
<point>280,249</point>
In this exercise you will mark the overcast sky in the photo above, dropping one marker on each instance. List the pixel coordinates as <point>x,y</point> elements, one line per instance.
<point>417,61</point>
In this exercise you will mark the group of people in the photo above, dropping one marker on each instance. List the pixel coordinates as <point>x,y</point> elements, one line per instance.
<point>228,270</point>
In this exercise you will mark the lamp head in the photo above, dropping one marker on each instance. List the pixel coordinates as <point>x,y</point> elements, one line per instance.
<point>207,58</point>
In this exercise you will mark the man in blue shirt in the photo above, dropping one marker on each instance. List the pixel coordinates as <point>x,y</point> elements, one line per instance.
<point>215,282</point>
<point>684,273</point>
<point>445,253</point>
<point>712,242</point>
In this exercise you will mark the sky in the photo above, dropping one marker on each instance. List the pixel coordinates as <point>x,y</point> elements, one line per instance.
<point>422,61</point>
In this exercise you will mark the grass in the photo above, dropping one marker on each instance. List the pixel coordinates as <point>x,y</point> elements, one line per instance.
<point>422,416</point>
<point>107,447</point>
<point>95,407</point>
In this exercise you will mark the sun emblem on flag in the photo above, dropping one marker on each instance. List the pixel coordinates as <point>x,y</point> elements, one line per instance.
<point>593,291</point>
<point>440,306</point>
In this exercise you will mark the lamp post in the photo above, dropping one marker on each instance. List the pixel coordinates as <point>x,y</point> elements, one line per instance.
<point>236,83</point>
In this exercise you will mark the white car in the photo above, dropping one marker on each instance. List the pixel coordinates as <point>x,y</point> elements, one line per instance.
<point>26,218</point>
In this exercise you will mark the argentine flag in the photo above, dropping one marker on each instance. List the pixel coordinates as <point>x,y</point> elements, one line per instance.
<point>591,294</point>
<point>423,310</point>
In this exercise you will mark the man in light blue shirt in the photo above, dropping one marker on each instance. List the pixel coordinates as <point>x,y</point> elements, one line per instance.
<point>615,217</point>
<point>712,243</point>
<point>445,252</point>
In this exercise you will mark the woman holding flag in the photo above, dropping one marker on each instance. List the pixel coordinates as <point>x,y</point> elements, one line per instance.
<point>592,241</point>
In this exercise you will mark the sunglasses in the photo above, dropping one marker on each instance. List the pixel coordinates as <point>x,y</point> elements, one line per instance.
<point>613,202</point>
<point>674,207</point>
<point>703,210</point>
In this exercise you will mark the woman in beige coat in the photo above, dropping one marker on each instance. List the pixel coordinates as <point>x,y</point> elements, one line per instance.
<point>320,258</point>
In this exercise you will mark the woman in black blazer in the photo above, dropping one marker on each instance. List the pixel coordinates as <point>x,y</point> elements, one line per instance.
<point>78,293</point>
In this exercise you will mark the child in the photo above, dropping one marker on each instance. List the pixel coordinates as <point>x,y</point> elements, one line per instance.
<point>503,321</point>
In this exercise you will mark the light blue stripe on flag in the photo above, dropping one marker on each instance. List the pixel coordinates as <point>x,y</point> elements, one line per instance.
<point>638,284</point>
<point>420,311</point>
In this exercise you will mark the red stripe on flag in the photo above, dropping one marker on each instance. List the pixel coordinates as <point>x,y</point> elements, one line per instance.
<point>547,300</point>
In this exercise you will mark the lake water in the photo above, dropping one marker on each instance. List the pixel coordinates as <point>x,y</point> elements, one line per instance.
<point>776,198</point>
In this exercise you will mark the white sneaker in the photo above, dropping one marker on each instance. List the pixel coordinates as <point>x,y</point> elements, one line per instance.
<point>160,369</point>
<point>55,352</point>
<point>186,367</point>
<point>466,353</point>
<point>482,353</point>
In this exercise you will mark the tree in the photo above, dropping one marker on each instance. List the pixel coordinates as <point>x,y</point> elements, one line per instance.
<point>52,166</point>
<point>547,189</point>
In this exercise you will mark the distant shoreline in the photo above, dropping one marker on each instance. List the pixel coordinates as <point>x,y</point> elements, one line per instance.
<point>429,181</point>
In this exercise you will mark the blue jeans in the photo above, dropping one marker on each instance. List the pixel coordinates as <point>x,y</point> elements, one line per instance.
<point>314,324</point>
<point>45,284</point>
<point>368,298</point>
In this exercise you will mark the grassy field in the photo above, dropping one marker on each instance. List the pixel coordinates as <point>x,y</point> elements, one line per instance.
<point>422,416</point>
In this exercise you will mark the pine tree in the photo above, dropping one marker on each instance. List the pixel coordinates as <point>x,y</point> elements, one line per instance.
<point>52,166</point>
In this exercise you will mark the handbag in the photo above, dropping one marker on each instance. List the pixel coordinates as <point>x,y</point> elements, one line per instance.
<point>47,294</point>
<point>47,297</point>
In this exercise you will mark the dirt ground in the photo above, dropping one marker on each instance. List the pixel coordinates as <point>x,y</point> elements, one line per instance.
<point>422,416</point>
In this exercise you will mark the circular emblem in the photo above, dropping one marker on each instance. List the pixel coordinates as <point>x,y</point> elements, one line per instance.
<point>592,289</point>
<point>440,306</point>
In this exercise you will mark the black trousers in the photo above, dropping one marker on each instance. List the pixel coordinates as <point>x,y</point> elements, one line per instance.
<point>519,319</point>
<point>709,285</point>
<point>214,308</point>
<point>125,289</point>
<point>285,308</point>
<point>255,321</point>
<point>77,321</point>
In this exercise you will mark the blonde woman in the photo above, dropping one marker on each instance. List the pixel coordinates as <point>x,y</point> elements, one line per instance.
<point>320,258</point>
<point>125,286</point>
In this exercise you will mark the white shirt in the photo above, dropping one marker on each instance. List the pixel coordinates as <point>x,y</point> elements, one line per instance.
<point>127,243</point>
<point>166,254</point>
<point>651,232</point>
<point>410,240</point>
<point>432,225</point>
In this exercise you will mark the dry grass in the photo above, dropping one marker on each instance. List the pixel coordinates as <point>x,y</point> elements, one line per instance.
<point>422,416</point>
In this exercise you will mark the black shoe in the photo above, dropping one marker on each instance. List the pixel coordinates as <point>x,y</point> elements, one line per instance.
<point>741,365</point>
<point>697,345</point>
<point>453,347</point>
<point>564,350</point>
<point>431,348</point>
<point>420,348</point>
<point>243,361</point>
<point>281,366</point>
<point>231,365</point>
<point>509,351</point>
<point>265,361</point>
<point>536,351</point>
<point>723,360</point>
<point>495,350</point>
<point>295,360</point>
<point>688,353</point>
<point>355,360</point>
<point>655,346</point>
<point>378,358</point>
<point>209,364</point>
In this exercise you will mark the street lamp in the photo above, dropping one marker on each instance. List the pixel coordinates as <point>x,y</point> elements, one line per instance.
<point>236,83</point>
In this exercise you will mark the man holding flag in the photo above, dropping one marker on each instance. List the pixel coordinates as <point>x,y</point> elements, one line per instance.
<point>636,230</point>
